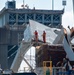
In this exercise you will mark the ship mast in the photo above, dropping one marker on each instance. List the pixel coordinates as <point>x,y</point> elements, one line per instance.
<point>52,4</point>
<point>23,5</point>
<point>73,10</point>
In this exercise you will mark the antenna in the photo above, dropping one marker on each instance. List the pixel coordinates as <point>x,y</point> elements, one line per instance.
<point>23,5</point>
<point>64,3</point>
<point>52,4</point>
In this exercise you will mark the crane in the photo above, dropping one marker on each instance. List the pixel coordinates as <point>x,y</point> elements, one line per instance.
<point>69,35</point>
<point>26,44</point>
<point>56,38</point>
<point>64,35</point>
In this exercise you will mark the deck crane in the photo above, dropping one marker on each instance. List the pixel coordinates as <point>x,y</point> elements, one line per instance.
<point>56,38</point>
<point>69,35</point>
<point>64,35</point>
<point>26,44</point>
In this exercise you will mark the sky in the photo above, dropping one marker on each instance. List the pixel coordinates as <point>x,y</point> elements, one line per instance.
<point>67,17</point>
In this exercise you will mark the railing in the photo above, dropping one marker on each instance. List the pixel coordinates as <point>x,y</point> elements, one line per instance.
<point>58,71</point>
<point>55,71</point>
<point>61,71</point>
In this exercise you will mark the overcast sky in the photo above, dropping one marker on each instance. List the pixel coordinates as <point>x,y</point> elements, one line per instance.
<point>67,17</point>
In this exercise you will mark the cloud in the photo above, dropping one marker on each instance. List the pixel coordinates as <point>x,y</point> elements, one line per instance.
<point>67,19</point>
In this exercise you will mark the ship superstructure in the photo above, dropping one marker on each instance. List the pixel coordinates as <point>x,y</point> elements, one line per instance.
<point>17,28</point>
<point>14,21</point>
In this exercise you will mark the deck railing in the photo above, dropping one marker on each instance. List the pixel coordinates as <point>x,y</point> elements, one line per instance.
<point>55,71</point>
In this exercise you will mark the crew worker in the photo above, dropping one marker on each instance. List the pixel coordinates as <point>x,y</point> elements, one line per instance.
<point>36,36</point>
<point>44,36</point>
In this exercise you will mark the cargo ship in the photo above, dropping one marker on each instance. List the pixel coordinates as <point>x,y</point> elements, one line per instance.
<point>17,27</point>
